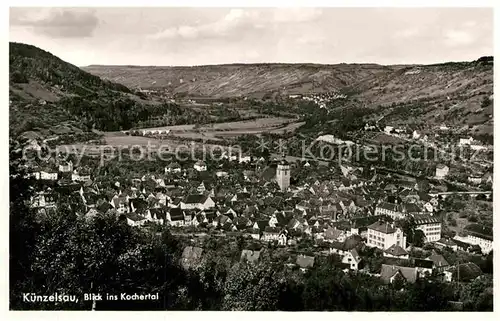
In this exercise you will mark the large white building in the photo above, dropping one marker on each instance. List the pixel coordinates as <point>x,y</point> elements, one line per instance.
<point>480,235</point>
<point>384,235</point>
<point>431,226</point>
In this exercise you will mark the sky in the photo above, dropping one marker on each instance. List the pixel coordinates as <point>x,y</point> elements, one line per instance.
<point>202,36</point>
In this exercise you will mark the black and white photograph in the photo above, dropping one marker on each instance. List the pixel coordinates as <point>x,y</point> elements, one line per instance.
<point>244,158</point>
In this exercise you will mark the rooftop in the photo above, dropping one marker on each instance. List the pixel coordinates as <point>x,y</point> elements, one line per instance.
<point>396,250</point>
<point>409,274</point>
<point>383,227</point>
<point>481,231</point>
<point>195,199</point>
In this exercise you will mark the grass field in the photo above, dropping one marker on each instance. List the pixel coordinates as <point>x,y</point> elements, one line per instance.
<point>215,131</point>
<point>183,136</point>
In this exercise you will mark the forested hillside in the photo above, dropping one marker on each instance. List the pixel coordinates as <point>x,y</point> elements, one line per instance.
<point>46,92</point>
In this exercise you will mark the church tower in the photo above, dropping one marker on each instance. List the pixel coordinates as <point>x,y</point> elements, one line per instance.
<point>283,174</point>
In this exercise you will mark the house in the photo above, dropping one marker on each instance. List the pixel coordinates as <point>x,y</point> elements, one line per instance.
<point>353,259</point>
<point>481,235</point>
<point>261,225</point>
<point>197,201</point>
<point>242,223</point>
<point>334,235</point>
<point>424,267</point>
<point>175,217</point>
<point>209,216</point>
<point>270,234</point>
<point>465,141</point>
<point>441,171</point>
<point>282,238</point>
<point>104,207</point>
<point>229,156</point>
<point>173,167</point>
<point>431,227</point>
<point>416,134</point>
<point>158,215</point>
<point>46,176</point>
<point>221,220</point>
<point>412,209</point>
<point>389,209</point>
<point>429,207</point>
<point>228,212</point>
<point>43,200</point>
<point>392,273</point>
<point>201,188</point>
<point>439,262</point>
<point>199,219</point>
<point>200,166</point>
<point>244,159</point>
<point>477,145</point>
<point>255,233</point>
<point>120,204</point>
<point>189,217</point>
<point>331,211</point>
<point>474,179</point>
<point>303,205</point>
<point>396,251</point>
<point>445,242</point>
<point>383,235</point>
<point>80,175</point>
<point>273,220</point>
<point>134,219</point>
<point>66,167</point>
<point>388,129</point>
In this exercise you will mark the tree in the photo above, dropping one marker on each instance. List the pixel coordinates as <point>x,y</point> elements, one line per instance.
<point>478,294</point>
<point>485,102</point>
<point>23,228</point>
<point>418,238</point>
<point>251,288</point>
<point>18,78</point>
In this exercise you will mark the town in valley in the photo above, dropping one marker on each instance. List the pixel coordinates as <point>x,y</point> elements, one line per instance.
<point>286,187</point>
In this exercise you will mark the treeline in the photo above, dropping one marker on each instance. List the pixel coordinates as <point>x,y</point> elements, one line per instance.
<point>124,113</point>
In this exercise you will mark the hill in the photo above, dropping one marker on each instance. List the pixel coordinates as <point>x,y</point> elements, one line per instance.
<point>455,93</point>
<point>47,94</point>
<point>240,79</point>
<point>28,63</point>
